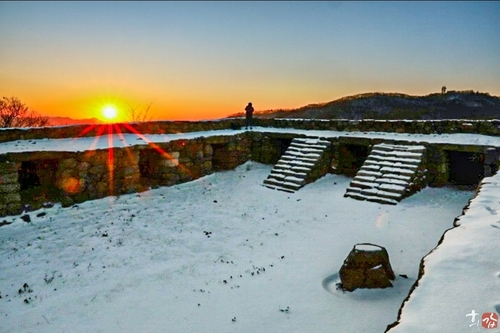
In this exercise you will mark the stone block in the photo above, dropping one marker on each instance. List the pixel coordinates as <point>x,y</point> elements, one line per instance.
<point>208,150</point>
<point>10,198</point>
<point>68,163</point>
<point>9,188</point>
<point>129,171</point>
<point>8,168</point>
<point>83,166</point>
<point>9,178</point>
<point>13,208</point>
<point>366,266</point>
<point>98,169</point>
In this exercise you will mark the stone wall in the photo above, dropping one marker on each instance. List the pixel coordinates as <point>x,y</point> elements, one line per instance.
<point>71,177</point>
<point>486,127</point>
<point>10,200</point>
<point>156,127</point>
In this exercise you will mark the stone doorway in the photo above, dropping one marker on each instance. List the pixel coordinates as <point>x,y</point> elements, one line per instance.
<point>149,161</point>
<point>283,145</point>
<point>351,158</point>
<point>465,168</point>
<point>37,181</point>
<point>221,159</point>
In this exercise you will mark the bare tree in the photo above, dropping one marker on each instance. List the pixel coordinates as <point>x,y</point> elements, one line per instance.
<point>137,116</point>
<point>14,113</point>
<point>443,90</point>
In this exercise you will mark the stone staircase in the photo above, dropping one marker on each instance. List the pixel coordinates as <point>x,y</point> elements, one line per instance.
<point>389,174</point>
<point>297,165</point>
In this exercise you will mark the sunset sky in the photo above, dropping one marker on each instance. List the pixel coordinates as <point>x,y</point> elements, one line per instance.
<point>206,60</point>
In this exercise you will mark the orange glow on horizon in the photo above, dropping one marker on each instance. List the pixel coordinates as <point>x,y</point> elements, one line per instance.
<point>94,107</point>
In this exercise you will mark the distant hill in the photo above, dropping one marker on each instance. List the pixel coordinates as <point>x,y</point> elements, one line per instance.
<point>63,121</point>
<point>450,105</point>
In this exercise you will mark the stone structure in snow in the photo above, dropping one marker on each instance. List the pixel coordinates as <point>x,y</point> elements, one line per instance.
<point>366,266</point>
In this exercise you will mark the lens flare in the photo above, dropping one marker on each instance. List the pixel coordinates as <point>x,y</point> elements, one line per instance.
<point>109,112</point>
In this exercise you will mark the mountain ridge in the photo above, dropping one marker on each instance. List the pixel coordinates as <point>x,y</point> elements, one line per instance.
<point>388,106</point>
<point>67,121</point>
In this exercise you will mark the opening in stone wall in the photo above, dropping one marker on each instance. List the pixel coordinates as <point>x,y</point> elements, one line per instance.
<point>282,145</point>
<point>220,158</point>
<point>351,158</point>
<point>465,168</point>
<point>37,180</point>
<point>149,164</point>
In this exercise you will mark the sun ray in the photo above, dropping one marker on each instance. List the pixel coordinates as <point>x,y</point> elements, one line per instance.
<point>111,160</point>
<point>157,148</point>
<point>122,137</point>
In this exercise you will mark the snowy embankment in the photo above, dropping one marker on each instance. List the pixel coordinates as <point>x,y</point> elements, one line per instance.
<point>461,277</point>
<point>222,254</point>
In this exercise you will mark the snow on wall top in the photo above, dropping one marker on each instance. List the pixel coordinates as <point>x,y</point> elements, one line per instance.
<point>127,140</point>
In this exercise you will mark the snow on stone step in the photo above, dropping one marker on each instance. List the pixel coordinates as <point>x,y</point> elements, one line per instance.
<point>369,191</point>
<point>393,181</point>
<point>370,167</point>
<point>369,173</point>
<point>397,171</point>
<point>294,179</point>
<point>308,152</point>
<point>389,177</point>
<point>365,178</point>
<point>392,187</point>
<point>381,164</point>
<point>288,173</point>
<point>294,168</point>
<point>357,183</point>
<point>306,146</point>
<point>397,153</point>
<point>312,141</point>
<point>289,185</point>
<point>389,195</point>
<point>395,159</point>
<point>304,151</point>
<point>275,175</point>
<point>387,146</point>
<point>386,173</point>
<point>306,156</point>
<point>383,194</point>
<point>296,163</point>
<point>354,189</point>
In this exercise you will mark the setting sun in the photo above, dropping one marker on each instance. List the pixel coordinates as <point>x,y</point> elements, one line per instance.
<point>109,112</point>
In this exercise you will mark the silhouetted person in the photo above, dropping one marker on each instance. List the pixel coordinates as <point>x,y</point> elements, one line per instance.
<point>249,114</point>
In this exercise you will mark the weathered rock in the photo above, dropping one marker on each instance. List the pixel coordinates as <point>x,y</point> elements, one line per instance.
<point>9,188</point>
<point>47,204</point>
<point>26,218</point>
<point>9,178</point>
<point>366,266</point>
<point>8,167</point>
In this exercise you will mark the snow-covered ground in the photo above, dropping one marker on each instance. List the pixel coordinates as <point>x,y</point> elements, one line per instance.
<point>219,254</point>
<point>460,290</point>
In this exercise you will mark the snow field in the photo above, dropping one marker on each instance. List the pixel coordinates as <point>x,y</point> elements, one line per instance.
<point>219,254</point>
